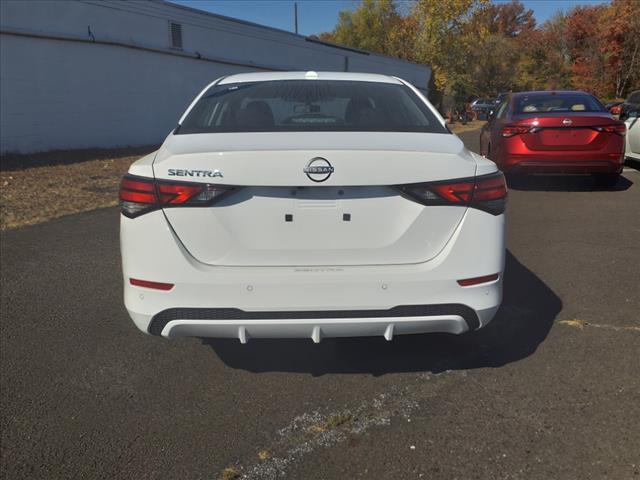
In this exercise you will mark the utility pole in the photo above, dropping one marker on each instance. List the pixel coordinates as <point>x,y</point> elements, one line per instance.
<point>295,15</point>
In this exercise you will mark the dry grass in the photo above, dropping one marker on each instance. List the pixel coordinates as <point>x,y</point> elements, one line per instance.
<point>575,323</point>
<point>55,187</point>
<point>229,473</point>
<point>334,421</point>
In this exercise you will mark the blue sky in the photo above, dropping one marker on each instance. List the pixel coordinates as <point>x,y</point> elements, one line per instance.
<point>315,16</point>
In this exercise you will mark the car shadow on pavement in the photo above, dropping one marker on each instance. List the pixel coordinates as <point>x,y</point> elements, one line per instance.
<point>564,183</point>
<point>522,323</point>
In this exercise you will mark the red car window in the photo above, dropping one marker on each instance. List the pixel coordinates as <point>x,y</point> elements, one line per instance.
<point>554,102</point>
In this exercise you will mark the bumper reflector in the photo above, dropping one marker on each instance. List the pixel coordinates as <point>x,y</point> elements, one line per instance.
<point>467,282</point>
<point>149,284</point>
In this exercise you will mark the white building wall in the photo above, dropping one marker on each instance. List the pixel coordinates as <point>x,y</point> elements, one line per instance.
<point>82,74</point>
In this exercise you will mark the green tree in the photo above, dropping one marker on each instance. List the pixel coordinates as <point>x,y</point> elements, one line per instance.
<point>442,44</point>
<point>501,33</point>
<point>545,58</point>
<point>370,27</point>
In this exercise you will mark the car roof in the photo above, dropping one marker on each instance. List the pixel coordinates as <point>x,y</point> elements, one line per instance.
<point>552,92</point>
<point>633,96</point>
<point>311,75</point>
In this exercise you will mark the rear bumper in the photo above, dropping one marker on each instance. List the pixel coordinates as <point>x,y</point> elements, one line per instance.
<point>560,166</point>
<point>234,323</point>
<point>561,161</point>
<point>633,156</point>
<point>311,302</point>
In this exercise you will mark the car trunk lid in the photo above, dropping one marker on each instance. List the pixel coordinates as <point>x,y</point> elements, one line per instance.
<point>568,131</point>
<point>281,217</point>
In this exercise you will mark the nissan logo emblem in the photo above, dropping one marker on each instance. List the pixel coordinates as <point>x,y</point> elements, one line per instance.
<point>318,169</point>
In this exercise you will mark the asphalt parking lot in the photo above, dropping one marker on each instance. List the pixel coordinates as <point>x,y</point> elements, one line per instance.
<point>550,390</point>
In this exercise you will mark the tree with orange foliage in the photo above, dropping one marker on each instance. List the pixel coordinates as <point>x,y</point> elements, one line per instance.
<point>620,47</point>
<point>479,48</point>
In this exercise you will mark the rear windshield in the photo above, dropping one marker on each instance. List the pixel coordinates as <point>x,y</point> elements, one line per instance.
<point>310,106</point>
<point>557,102</point>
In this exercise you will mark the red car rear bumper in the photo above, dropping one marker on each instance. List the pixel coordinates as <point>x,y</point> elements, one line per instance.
<point>562,164</point>
<point>515,157</point>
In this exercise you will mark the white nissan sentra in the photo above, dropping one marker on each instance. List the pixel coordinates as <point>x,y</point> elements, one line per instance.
<point>312,205</point>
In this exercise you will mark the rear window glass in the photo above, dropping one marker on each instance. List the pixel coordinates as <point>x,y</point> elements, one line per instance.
<point>538,103</point>
<point>634,97</point>
<point>310,105</point>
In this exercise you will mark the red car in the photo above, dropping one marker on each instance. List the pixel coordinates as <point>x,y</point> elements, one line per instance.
<point>555,132</point>
<point>614,107</point>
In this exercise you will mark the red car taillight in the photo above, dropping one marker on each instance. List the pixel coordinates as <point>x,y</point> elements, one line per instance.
<point>487,192</point>
<point>140,195</point>
<point>511,130</point>
<point>619,129</point>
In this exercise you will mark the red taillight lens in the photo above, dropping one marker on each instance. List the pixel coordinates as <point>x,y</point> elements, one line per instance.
<point>137,196</point>
<point>619,129</point>
<point>149,284</point>
<point>455,192</point>
<point>176,193</point>
<point>137,190</point>
<point>487,192</point>
<point>140,195</point>
<point>511,130</point>
<point>491,187</point>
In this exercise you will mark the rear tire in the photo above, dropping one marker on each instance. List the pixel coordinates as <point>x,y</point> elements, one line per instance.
<point>606,179</point>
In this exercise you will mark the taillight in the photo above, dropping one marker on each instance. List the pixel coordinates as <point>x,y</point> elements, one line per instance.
<point>140,195</point>
<point>511,130</point>
<point>619,129</point>
<point>487,192</point>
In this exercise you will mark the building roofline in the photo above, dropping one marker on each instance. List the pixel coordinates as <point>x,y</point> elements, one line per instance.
<point>198,11</point>
<point>307,38</point>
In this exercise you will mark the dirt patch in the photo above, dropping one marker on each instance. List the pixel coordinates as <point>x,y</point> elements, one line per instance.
<point>57,187</point>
